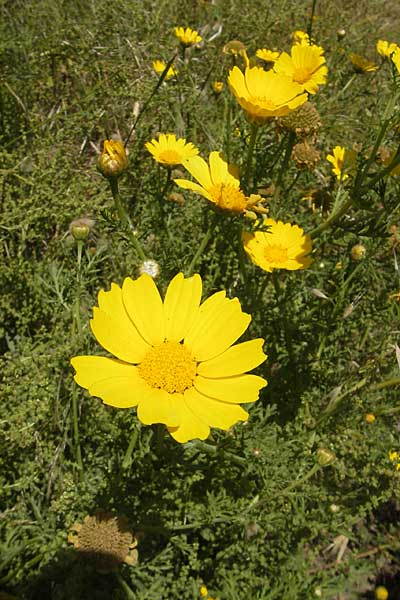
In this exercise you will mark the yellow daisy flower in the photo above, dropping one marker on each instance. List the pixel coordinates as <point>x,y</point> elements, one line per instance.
<point>170,151</point>
<point>385,48</point>
<point>396,58</point>
<point>159,67</point>
<point>343,161</point>
<point>174,359</point>
<point>112,161</point>
<point>187,37</point>
<point>361,64</point>
<point>305,65</point>
<point>264,94</point>
<point>269,56</point>
<point>300,37</point>
<point>217,87</point>
<point>282,246</point>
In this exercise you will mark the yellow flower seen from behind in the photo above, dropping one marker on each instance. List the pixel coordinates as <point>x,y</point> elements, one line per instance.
<point>217,87</point>
<point>268,56</point>
<point>282,246</point>
<point>174,359</point>
<point>159,67</point>
<point>113,160</point>
<point>385,48</point>
<point>343,161</point>
<point>361,64</point>
<point>170,151</point>
<point>187,37</point>
<point>305,65</point>
<point>265,94</point>
<point>396,58</point>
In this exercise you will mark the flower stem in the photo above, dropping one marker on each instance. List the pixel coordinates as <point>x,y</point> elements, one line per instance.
<point>214,451</point>
<point>333,217</point>
<point>288,337</point>
<point>75,426</point>
<point>310,22</point>
<point>125,221</point>
<point>202,246</point>
<point>250,152</point>
<point>124,586</point>
<point>126,463</point>
<point>289,147</point>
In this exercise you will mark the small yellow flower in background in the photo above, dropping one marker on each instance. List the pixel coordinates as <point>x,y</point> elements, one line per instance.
<point>386,155</point>
<point>396,58</point>
<point>300,37</point>
<point>170,151</point>
<point>268,56</point>
<point>381,593</point>
<point>203,591</point>
<point>395,296</point>
<point>187,37</point>
<point>217,86</point>
<point>370,418</point>
<point>361,64</point>
<point>159,67</point>
<point>113,161</point>
<point>282,246</point>
<point>394,457</point>
<point>358,252</point>
<point>106,540</point>
<point>265,94</point>
<point>385,48</point>
<point>305,65</point>
<point>343,161</point>
<point>175,359</point>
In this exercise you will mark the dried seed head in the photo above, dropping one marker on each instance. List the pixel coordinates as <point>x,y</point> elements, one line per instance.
<point>305,156</point>
<point>303,121</point>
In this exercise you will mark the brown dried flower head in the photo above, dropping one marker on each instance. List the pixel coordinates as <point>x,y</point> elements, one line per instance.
<point>304,121</point>
<point>305,155</point>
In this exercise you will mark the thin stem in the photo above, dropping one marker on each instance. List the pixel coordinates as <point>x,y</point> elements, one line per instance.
<point>126,463</point>
<point>250,152</point>
<point>310,23</point>
<point>75,425</point>
<point>385,384</point>
<point>125,221</point>
<point>333,217</point>
<point>214,450</point>
<point>124,586</point>
<point>288,338</point>
<point>202,246</point>
<point>285,163</point>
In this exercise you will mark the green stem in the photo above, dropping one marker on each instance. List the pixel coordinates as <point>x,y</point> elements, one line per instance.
<point>124,586</point>
<point>75,426</point>
<point>214,451</point>
<point>333,217</point>
<point>126,463</point>
<point>125,221</point>
<point>166,185</point>
<point>288,338</point>
<point>202,246</point>
<point>298,482</point>
<point>250,152</point>
<point>285,163</point>
<point>310,23</point>
<point>385,384</point>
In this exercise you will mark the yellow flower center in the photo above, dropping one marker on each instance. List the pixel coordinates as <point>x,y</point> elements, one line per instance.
<point>169,157</point>
<point>276,254</point>
<point>228,197</point>
<point>301,75</point>
<point>169,367</point>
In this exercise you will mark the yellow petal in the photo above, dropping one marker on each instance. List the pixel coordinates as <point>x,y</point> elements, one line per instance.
<point>235,361</point>
<point>213,412</point>
<point>191,427</point>
<point>144,306</point>
<point>217,328</point>
<point>237,390</point>
<point>181,306</point>
<point>115,382</point>
<point>157,406</point>
<point>194,187</point>
<point>221,171</point>
<point>199,169</point>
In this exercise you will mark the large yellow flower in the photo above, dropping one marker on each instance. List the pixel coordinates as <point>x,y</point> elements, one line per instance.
<point>264,94</point>
<point>282,246</point>
<point>343,161</point>
<point>187,37</point>
<point>305,65</point>
<point>170,151</point>
<point>174,359</point>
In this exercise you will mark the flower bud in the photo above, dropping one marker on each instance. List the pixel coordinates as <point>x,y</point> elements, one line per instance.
<point>369,418</point>
<point>340,33</point>
<point>112,161</point>
<point>358,252</point>
<point>80,228</point>
<point>217,87</point>
<point>325,457</point>
<point>381,593</point>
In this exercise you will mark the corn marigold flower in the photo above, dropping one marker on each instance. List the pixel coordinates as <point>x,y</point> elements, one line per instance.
<point>358,252</point>
<point>268,56</point>
<point>159,67</point>
<point>170,151</point>
<point>113,160</point>
<point>219,183</point>
<point>217,87</point>
<point>300,37</point>
<point>370,418</point>
<point>385,48</point>
<point>343,161</point>
<point>396,58</point>
<point>265,94</point>
<point>106,540</point>
<point>305,155</point>
<point>381,593</point>
<point>187,37</point>
<point>305,65</point>
<point>361,64</point>
<point>282,246</point>
<point>174,360</point>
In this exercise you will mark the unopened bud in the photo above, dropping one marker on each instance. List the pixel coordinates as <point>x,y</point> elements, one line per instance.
<point>358,252</point>
<point>341,33</point>
<point>217,87</point>
<point>370,418</point>
<point>381,593</point>
<point>80,228</point>
<point>325,457</point>
<point>112,161</point>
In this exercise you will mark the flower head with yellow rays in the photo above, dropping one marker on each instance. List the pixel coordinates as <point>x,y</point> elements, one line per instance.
<point>159,67</point>
<point>187,37</point>
<point>113,160</point>
<point>268,56</point>
<point>305,65</point>
<point>175,359</point>
<point>170,151</point>
<point>282,246</point>
<point>343,161</point>
<point>396,58</point>
<point>264,94</point>
<point>219,183</point>
<point>300,37</point>
<point>385,48</point>
<point>361,64</point>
